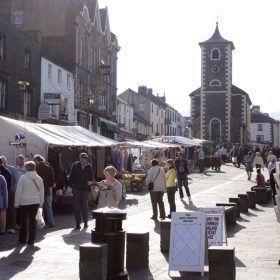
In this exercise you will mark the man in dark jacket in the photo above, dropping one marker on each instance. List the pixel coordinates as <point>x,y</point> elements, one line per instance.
<point>45,171</point>
<point>182,170</point>
<point>80,174</point>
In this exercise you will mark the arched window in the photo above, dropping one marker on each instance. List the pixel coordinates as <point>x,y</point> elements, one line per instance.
<point>215,83</point>
<point>215,54</point>
<point>215,130</point>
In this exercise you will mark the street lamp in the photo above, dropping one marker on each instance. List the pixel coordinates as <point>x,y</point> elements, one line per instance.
<point>23,86</point>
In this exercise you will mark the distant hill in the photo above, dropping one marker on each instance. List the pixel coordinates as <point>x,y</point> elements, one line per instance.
<point>275,115</point>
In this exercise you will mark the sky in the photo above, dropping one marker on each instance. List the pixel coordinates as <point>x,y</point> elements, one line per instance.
<point>159,42</point>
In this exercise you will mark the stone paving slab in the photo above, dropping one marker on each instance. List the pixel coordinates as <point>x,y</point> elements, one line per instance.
<point>256,236</point>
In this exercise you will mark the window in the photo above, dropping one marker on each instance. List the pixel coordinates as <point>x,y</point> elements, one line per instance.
<point>2,46</point>
<point>215,83</point>
<point>142,107</point>
<point>68,80</point>
<point>259,138</point>
<point>215,54</point>
<point>27,59</point>
<point>3,93</point>
<point>59,76</point>
<point>50,72</point>
<point>18,17</point>
<point>260,127</point>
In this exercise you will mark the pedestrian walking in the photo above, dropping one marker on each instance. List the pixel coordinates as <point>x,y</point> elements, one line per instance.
<point>182,170</point>
<point>249,164</point>
<point>156,176</point>
<point>45,171</point>
<point>80,176</point>
<point>258,161</point>
<point>171,186</point>
<point>29,197</point>
<point>3,204</point>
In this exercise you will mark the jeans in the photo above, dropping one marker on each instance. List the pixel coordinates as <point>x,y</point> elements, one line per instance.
<point>48,211</point>
<point>80,205</point>
<point>201,165</point>
<point>171,198</point>
<point>182,179</point>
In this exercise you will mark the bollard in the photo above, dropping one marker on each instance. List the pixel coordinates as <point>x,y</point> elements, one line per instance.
<point>221,263</point>
<point>93,261</point>
<point>137,250</point>
<point>243,203</point>
<point>165,235</point>
<point>251,199</point>
<point>108,229</point>
<point>230,215</point>
<point>237,201</point>
<point>261,197</point>
<point>268,194</point>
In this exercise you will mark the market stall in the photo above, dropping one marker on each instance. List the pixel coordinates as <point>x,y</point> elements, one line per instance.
<point>60,145</point>
<point>134,180</point>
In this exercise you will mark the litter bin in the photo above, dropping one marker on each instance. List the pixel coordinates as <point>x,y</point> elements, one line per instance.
<point>108,229</point>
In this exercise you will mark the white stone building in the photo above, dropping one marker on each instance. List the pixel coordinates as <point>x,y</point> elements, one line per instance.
<point>57,90</point>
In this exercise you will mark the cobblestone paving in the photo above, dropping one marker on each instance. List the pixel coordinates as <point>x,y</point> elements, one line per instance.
<point>256,237</point>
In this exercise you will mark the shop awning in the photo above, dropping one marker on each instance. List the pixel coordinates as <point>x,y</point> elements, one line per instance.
<point>111,127</point>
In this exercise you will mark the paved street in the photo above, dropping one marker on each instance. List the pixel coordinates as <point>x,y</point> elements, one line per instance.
<point>256,236</point>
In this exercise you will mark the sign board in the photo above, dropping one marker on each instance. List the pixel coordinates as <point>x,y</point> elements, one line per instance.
<point>187,242</point>
<point>215,225</point>
<point>44,112</point>
<point>52,98</point>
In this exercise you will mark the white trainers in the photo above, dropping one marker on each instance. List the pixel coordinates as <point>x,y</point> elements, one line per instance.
<point>11,230</point>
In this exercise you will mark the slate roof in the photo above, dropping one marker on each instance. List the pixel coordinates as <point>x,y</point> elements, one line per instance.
<point>139,118</point>
<point>217,38</point>
<point>259,117</point>
<point>234,90</point>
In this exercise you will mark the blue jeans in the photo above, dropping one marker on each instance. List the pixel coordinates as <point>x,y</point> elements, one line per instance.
<point>182,179</point>
<point>48,211</point>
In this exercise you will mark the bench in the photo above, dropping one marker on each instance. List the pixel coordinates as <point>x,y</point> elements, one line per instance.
<point>261,195</point>
<point>237,207</point>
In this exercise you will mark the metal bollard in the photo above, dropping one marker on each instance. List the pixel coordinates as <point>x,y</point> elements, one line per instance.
<point>243,203</point>
<point>137,250</point>
<point>221,263</point>
<point>93,261</point>
<point>237,201</point>
<point>251,199</point>
<point>165,235</point>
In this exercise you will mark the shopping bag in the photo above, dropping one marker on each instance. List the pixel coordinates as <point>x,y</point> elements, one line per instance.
<point>40,222</point>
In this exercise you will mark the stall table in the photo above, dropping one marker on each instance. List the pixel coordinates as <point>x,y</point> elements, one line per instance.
<point>133,182</point>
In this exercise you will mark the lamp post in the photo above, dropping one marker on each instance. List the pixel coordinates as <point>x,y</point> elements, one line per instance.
<point>23,86</point>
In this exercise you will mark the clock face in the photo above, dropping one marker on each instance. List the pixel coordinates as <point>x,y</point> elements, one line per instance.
<point>215,68</point>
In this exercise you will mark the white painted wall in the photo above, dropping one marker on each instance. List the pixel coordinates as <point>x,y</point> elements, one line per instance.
<point>50,83</point>
<point>266,131</point>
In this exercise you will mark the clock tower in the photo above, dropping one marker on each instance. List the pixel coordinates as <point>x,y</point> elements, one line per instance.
<point>219,109</point>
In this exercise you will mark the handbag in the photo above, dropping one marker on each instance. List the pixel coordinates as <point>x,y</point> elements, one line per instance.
<point>151,184</point>
<point>40,222</point>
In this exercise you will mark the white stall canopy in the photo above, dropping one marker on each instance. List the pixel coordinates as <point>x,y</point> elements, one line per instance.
<point>184,141</point>
<point>38,137</point>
